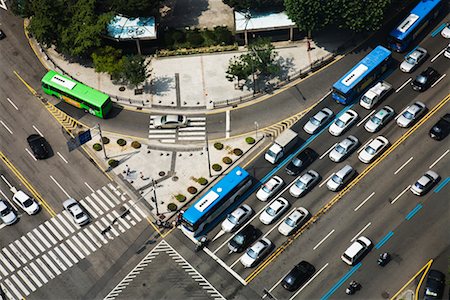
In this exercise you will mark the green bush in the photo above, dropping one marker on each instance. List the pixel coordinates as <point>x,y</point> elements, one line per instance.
<point>216,167</point>
<point>97,147</point>
<point>194,38</point>
<point>135,144</point>
<point>237,152</point>
<point>172,207</point>
<point>105,140</point>
<point>121,142</point>
<point>223,36</point>
<point>190,51</point>
<point>249,140</point>
<point>113,163</point>
<point>180,197</point>
<point>192,190</point>
<point>202,181</point>
<point>218,146</point>
<point>227,160</point>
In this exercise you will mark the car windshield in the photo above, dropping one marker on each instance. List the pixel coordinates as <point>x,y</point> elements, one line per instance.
<point>314,121</point>
<point>411,60</point>
<point>418,185</point>
<point>436,129</point>
<point>163,119</point>
<point>421,79</point>
<point>239,239</point>
<point>300,184</point>
<point>408,115</point>
<point>4,212</point>
<point>340,123</point>
<point>252,253</point>
<point>27,203</point>
<point>290,222</point>
<point>232,219</point>
<point>375,120</point>
<point>336,179</point>
<point>340,149</point>
<point>270,211</point>
<point>296,162</point>
<point>365,99</point>
<point>267,189</point>
<point>370,150</point>
<point>79,215</point>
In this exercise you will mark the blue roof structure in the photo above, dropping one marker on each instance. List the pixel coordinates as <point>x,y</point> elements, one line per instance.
<point>123,28</point>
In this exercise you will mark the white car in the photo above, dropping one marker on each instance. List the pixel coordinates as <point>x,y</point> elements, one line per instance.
<point>425,183</point>
<point>373,149</point>
<point>318,121</point>
<point>344,149</point>
<point>413,60</point>
<point>28,204</point>
<point>356,251</point>
<point>304,183</point>
<point>446,31</point>
<point>78,214</point>
<point>381,118</point>
<point>238,217</point>
<point>339,179</point>
<point>343,123</point>
<point>411,114</point>
<point>447,51</point>
<point>275,210</point>
<point>170,121</point>
<point>7,214</point>
<point>269,188</point>
<point>295,220</point>
<point>256,252</point>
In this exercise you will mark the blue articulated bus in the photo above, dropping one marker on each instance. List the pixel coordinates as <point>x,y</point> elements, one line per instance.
<point>417,20</point>
<point>359,78</point>
<point>207,211</point>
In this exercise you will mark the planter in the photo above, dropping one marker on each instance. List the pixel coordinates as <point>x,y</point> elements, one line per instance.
<point>192,190</point>
<point>136,145</point>
<point>105,140</point>
<point>180,197</point>
<point>202,181</point>
<point>237,152</point>
<point>218,146</point>
<point>113,163</point>
<point>216,167</point>
<point>249,140</point>
<point>227,160</point>
<point>172,207</point>
<point>97,147</point>
<point>121,142</point>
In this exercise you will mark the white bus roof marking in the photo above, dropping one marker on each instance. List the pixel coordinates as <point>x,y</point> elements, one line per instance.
<point>353,76</point>
<point>63,82</point>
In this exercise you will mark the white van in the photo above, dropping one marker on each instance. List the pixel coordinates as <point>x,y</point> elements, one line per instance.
<point>357,250</point>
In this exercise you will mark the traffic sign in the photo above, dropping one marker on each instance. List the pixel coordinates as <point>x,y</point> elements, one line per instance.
<point>79,140</point>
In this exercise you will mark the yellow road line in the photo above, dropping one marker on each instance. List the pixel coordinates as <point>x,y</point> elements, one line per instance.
<point>339,196</point>
<point>31,44</point>
<point>25,182</point>
<point>427,266</point>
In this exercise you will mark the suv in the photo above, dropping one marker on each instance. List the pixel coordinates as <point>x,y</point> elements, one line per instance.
<point>356,251</point>
<point>441,129</point>
<point>339,179</point>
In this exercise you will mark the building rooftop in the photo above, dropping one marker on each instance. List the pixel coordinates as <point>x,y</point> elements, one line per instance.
<point>257,21</point>
<point>123,28</point>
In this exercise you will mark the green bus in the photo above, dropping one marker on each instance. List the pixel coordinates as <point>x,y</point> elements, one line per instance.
<point>76,94</point>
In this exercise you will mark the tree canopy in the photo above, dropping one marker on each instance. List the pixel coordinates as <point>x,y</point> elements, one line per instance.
<point>243,5</point>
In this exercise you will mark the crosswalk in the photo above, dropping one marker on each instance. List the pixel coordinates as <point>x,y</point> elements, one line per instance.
<point>58,244</point>
<point>3,4</point>
<point>195,131</point>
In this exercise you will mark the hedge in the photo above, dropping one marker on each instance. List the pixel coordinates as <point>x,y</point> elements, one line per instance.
<point>237,152</point>
<point>227,160</point>
<point>180,197</point>
<point>192,190</point>
<point>105,140</point>
<point>202,181</point>
<point>113,163</point>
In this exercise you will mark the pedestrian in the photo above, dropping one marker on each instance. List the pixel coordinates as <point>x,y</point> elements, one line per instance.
<point>142,175</point>
<point>308,44</point>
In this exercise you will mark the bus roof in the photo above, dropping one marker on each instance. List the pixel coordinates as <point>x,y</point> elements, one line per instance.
<point>413,19</point>
<point>359,71</point>
<point>221,188</point>
<point>72,87</point>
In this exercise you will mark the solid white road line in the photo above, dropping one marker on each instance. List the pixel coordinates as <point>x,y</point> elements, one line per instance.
<point>362,203</point>
<point>326,180</point>
<point>365,118</point>
<point>11,257</point>
<point>437,81</point>
<point>227,124</point>
<point>321,241</point>
<point>235,262</point>
<point>401,194</point>
<point>62,157</point>
<point>7,128</point>
<point>12,103</point>
<point>35,241</point>
<point>224,265</point>
<point>437,55</point>
<point>29,245</point>
<point>309,281</point>
<point>402,166</point>
<point>45,268</point>
<point>276,284</point>
<point>75,249</point>
<point>328,151</point>
<point>32,156</point>
<point>403,85</point>
<point>89,187</point>
<point>359,233</point>
<point>440,157</point>
<point>37,130</point>
<point>6,181</point>
<point>60,187</point>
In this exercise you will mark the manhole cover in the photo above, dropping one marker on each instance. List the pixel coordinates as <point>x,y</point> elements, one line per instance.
<point>174,178</point>
<point>122,88</point>
<point>162,173</point>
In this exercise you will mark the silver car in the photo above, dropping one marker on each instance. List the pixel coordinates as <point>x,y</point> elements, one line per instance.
<point>294,221</point>
<point>78,214</point>
<point>238,217</point>
<point>7,214</point>
<point>381,118</point>
<point>413,60</point>
<point>275,210</point>
<point>411,114</point>
<point>304,183</point>
<point>339,179</point>
<point>256,252</point>
<point>318,121</point>
<point>344,149</point>
<point>269,188</point>
<point>343,123</point>
<point>425,183</point>
<point>373,149</point>
<point>170,121</point>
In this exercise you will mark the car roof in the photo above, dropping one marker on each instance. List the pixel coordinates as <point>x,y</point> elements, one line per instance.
<point>259,245</point>
<point>21,196</point>
<point>346,142</point>
<point>354,249</point>
<point>346,169</point>
<point>381,113</point>
<point>320,115</point>
<point>296,214</point>
<point>376,143</point>
<point>239,212</point>
<point>172,118</point>
<point>277,204</point>
<point>414,108</point>
<point>3,205</point>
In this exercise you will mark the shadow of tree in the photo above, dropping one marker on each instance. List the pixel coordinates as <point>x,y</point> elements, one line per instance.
<point>185,13</point>
<point>160,85</point>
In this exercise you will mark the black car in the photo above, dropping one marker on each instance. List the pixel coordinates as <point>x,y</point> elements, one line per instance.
<point>300,162</point>
<point>298,276</point>
<point>2,35</point>
<point>434,288</point>
<point>243,239</point>
<point>39,146</point>
<point>424,79</point>
<point>441,129</point>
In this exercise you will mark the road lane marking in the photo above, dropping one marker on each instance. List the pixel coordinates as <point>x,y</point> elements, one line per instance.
<point>38,272</point>
<point>47,234</point>
<point>32,156</point>
<point>340,282</point>
<point>63,257</point>
<point>384,240</point>
<point>35,241</point>
<point>45,268</point>
<point>62,157</point>
<point>309,281</point>
<point>437,81</point>
<point>32,276</point>
<point>364,146</point>
<point>80,245</point>
<point>60,187</point>
<point>326,180</point>
<point>440,157</point>
<point>275,285</point>
<point>26,281</point>
<point>41,238</point>
<point>20,285</point>
<point>361,231</point>
<point>89,187</point>
<point>60,227</point>
<point>7,128</point>
<point>11,257</point>
<point>437,55</point>
<point>37,130</point>
<point>6,263</point>
<point>365,200</point>
<point>365,118</point>
<point>439,29</point>
<point>75,249</point>
<point>51,264</point>
<point>69,253</point>
<point>227,124</point>
<point>18,254</point>
<point>278,224</point>
<point>401,194</point>
<point>6,181</point>
<point>29,245</point>
<point>323,240</point>
<point>328,151</point>
<point>403,85</point>
<point>413,212</point>
<point>235,262</point>
<point>53,230</point>
<point>402,166</point>
<point>12,103</point>
<point>441,186</point>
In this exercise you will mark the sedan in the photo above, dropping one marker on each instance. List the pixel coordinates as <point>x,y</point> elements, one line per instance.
<point>318,121</point>
<point>78,214</point>
<point>274,211</point>
<point>28,204</point>
<point>344,149</point>
<point>300,162</point>
<point>413,60</point>
<point>425,183</point>
<point>435,285</point>
<point>343,123</point>
<point>411,114</point>
<point>170,121</point>
<point>7,214</point>
<point>373,149</point>
<point>238,217</point>
<point>295,220</point>
<point>446,31</point>
<point>441,129</point>
<point>380,119</point>
<point>424,80</point>
<point>304,183</point>
<point>269,188</point>
<point>298,276</point>
<point>39,146</point>
<point>256,252</point>
<point>243,239</point>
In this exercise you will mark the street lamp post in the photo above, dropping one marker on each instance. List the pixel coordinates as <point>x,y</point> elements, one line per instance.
<point>154,196</point>
<point>256,129</point>
<point>101,139</point>
<point>207,152</point>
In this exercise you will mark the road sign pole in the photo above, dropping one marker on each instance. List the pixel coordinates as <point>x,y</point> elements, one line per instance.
<point>101,139</point>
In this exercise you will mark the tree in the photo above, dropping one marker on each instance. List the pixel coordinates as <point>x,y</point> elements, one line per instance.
<point>239,68</point>
<point>134,70</point>
<point>131,8</point>
<point>46,21</point>
<point>309,15</point>
<point>242,5</point>
<point>21,8</point>
<point>359,15</point>
<point>108,59</point>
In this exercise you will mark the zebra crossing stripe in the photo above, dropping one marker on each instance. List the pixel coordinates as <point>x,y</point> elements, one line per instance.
<point>45,268</point>
<point>13,288</point>
<point>47,234</point>
<point>69,253</point>
<point>96,230</point>
<point>38,272</point>
<point>107,200</point>
<point>92,238</point>
<point>134,214</point>
<point>75,249</point>
<point>29,245</point>
<point>53,231</point>
<point>17,253</point>
<point>98,201</point>
<point>35,241</point>
<point>57,260</point>
<point>3,270</point>
<point>11,257</point>
<point>95,209</point>
<point>86,241</point>
<point>60,227</point>
<point>110,194</point>
<point>111,219</point>
<point>51,264</point>
<point>80,245</point>
<point>64,222</point>
<point>24,249</point>
<point>41,238</point>
<point>121,220</point>
<point>90,210</point>
<point>32,276</point>
<point>26,281</point>
<point>63,257</point>
<point>108,223</point>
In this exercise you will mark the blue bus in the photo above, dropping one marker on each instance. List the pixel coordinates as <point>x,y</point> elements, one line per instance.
<point>205,213</point>
<point>369,69</point>
<point>419,17</point>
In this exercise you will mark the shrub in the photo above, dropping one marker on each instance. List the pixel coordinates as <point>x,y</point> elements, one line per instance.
<point>172,207</point>
<point>136,145</point>
<point>105,140</point>
<point>121,142</point>
<point>194,38</point>
<point>97,147</point>
<point>223,35</point>
<point>192,190</point>
<point>216,167</point>
<point>249,140</point>
<point>202,181</point>
<point>237,152</point>
<point>113,163</point>
<point>227,160</point>
<point>180,197</point>
<point>185,51</point>
<point>218,146</point>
